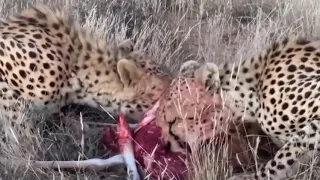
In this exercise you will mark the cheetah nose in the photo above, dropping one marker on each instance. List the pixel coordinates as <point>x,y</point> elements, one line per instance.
<point>166,145</point>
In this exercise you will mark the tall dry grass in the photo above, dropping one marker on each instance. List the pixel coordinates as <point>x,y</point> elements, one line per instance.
<point>172,32</point>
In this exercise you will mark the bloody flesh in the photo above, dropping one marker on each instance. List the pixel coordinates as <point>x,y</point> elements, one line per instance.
<point>149,153</point>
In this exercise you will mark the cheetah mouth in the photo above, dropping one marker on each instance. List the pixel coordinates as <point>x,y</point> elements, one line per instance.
<point>184,145</point>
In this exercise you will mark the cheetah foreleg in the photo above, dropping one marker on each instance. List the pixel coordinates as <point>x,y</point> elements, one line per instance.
<point>285,163</point>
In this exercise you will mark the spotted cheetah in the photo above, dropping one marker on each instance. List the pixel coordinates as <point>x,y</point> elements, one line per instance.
<point>280,89</point>
<point>48,59</point>
<point>187,107</point>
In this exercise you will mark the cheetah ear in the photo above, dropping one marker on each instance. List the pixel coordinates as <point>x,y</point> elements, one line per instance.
<point>129,72</point>
<point>188,68</point>
<point>208,74</point>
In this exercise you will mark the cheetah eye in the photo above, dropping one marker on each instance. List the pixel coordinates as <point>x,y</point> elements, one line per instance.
<point>173,121</point>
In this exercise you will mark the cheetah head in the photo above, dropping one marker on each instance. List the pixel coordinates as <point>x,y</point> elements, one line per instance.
<point>129,84</point>
<point>190,111</point>
<point>141,88</point>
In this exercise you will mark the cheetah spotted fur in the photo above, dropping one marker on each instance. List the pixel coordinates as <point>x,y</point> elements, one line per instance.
<point>280,89</point>
<point>49,60</point>
<point>187,107</point>
<point>283,91</point>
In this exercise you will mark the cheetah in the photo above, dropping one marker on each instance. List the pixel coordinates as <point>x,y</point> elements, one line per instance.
<point>48,59</point>
<point>186,109</point>
<point>280,90</point>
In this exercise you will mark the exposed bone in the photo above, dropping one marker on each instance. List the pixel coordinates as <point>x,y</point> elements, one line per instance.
<point>94,164</point>
<point>126,148</point>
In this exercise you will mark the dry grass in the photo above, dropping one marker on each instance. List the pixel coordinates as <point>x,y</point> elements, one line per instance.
<point>171,31</point>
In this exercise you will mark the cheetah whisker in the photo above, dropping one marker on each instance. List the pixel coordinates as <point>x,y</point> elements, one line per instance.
<point>108,113</point>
